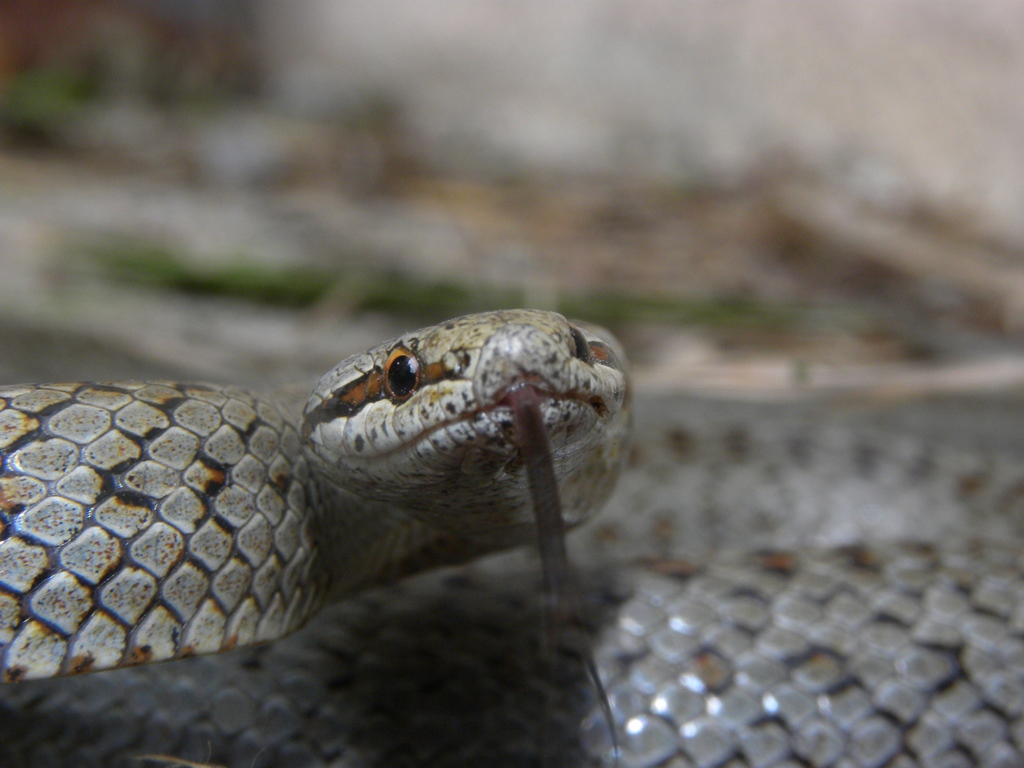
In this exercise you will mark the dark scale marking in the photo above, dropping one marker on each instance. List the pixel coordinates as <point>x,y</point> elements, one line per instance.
<point>80,664</point>
<point>9,510</point>
<point>108,485</point>
<point>155,432</point>
<point>121,468</point>
<point>103,386</point>
<point>135,499</point>
<point>218,475</point>
<point>44,413</point>
<point>359,443</point>
<point>213,465</point>
<point>279,477</point>
<point>166,406</point>
<point>462,359</point>
<point>29,437</point>
<point>210,462</point>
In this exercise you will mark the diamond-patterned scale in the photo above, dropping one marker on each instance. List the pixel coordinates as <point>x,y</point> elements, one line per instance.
<point>140,518</point>
<point>790,697</point>
<point>151,520</point>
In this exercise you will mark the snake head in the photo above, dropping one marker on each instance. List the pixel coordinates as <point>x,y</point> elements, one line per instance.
<point>422,421</point>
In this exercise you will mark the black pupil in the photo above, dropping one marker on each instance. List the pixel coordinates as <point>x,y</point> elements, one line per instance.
<point>402,376</point>
<point>581,349</point>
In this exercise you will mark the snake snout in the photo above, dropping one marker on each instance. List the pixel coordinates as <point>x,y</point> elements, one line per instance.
<point>517,354</point>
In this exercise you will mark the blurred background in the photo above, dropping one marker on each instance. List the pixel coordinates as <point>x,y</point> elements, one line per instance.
<point>762,200</point>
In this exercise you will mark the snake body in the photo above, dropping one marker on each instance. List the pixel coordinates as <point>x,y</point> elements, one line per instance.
<point>148,521</point>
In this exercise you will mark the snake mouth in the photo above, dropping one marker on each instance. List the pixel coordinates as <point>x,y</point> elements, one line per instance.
<point>503,406</point>
<point>509,396</point>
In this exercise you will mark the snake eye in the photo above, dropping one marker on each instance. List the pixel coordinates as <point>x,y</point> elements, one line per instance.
<point>401,374</point>
<point>580,347</point>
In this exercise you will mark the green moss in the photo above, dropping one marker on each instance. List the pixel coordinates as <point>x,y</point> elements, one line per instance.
<point>36,102</point>
<point>614,309</point>
<point>365,289</point>
<point>156,267</point>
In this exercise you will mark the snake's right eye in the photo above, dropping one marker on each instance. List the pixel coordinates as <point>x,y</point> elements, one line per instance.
<point>401,374</point>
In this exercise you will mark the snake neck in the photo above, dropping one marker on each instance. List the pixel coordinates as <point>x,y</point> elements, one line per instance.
<point>365,543</point>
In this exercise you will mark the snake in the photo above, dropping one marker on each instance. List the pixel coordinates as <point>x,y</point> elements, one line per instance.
<point>345,578</point>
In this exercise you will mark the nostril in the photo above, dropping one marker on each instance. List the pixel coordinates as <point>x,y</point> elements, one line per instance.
<point>597,403</point>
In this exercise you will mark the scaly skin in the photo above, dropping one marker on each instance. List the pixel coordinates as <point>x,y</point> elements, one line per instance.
<point>146,521</point>
<point>880,655</point>
<point>152,520</point>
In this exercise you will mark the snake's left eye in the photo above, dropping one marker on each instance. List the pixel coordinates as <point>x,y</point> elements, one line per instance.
<point>401,374</point>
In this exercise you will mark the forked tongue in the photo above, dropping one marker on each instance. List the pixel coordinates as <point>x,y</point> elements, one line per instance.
<point>562,606</point>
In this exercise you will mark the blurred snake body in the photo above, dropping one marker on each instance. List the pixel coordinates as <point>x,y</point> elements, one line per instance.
<point>145,521</point>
